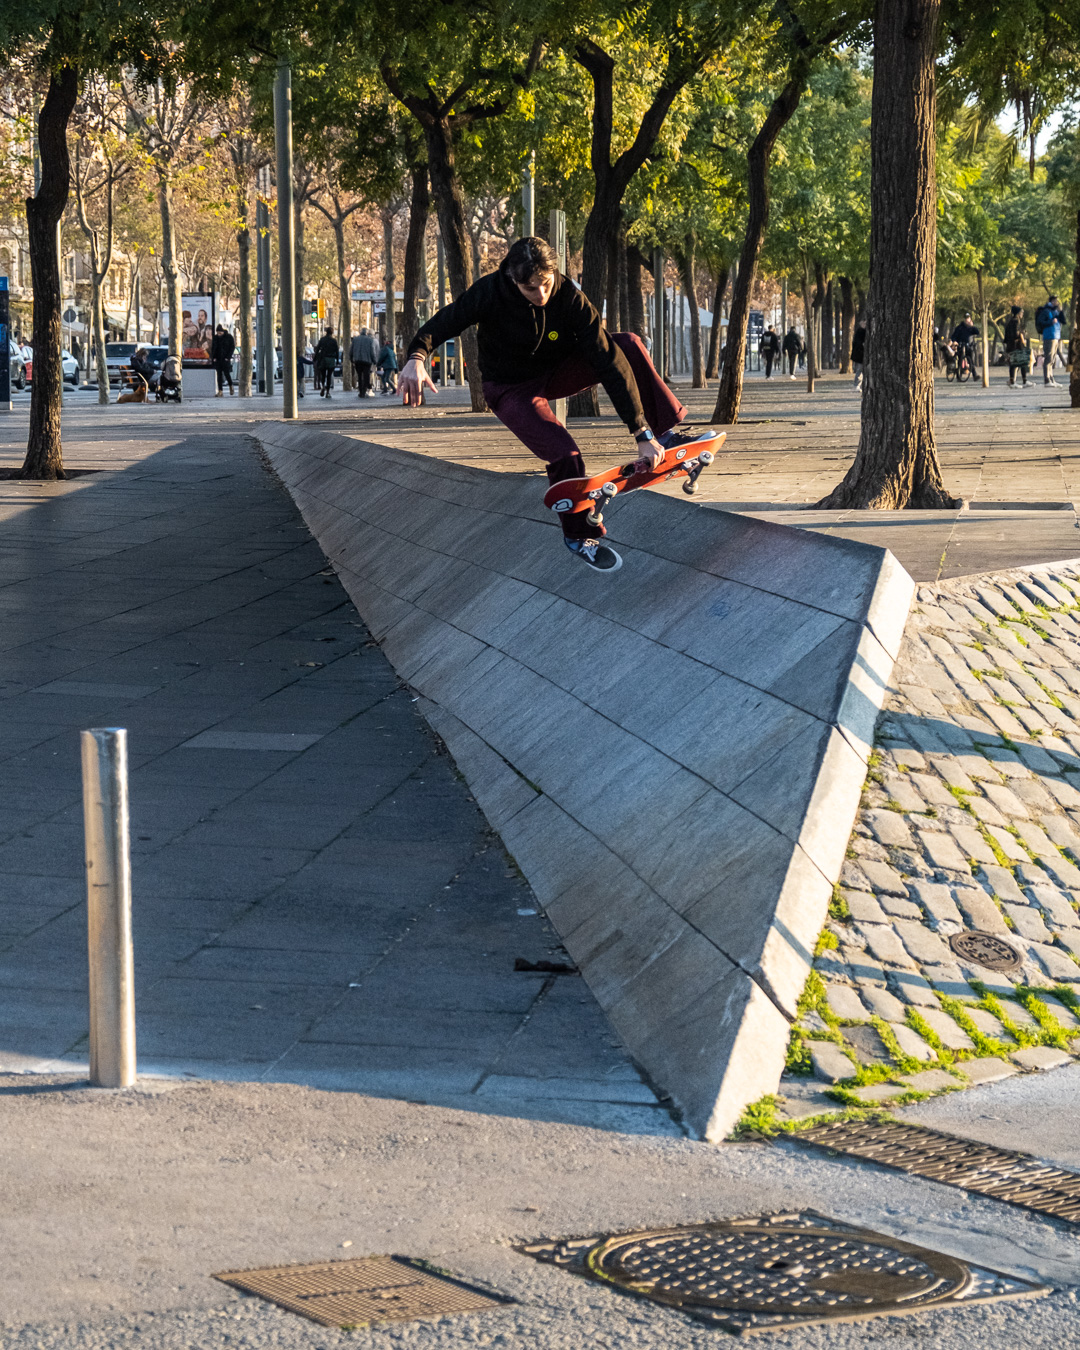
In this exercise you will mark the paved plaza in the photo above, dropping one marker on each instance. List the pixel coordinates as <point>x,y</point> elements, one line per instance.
<point>340,1055</point>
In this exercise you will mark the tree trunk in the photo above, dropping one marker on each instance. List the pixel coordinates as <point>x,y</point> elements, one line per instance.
<point>897,465</point>
<point>169,269</point>
<point>729,394</point>
<point>827,359</point>
<point>344,302</point>
<point>635,264</point>
<point>624,278</point>
<point>811,335</point>
<point>44,454</point>
<point>446,190</point>
<point>100,262</point>
<point>389,277</point>
<point>712,365</point>
<point>611,290</point>
<point>97,318</point>
<point>686,264</point>
<point>612,179</point>
<point>243,305</point>
<point>847,317</point>
<point>419,209</point>
<point>819,312</point>
<point>985,333</point>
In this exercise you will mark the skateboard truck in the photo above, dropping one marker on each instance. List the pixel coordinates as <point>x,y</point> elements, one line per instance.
<point>596,515</point>
<point>703,462</point>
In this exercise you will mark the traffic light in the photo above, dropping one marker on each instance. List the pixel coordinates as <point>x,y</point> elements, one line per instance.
<point>322,309</point>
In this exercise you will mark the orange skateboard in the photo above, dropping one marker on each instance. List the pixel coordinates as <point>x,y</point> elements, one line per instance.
<point>593,494</point>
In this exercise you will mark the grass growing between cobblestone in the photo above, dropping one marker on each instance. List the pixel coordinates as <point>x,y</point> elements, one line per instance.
<point>969,821</point>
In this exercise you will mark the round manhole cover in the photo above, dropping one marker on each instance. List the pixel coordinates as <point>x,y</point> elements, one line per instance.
<point>986,949</point>
<point>777,1270</point>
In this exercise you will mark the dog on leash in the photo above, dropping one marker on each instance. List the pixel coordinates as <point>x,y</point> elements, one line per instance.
<point>136,395</point>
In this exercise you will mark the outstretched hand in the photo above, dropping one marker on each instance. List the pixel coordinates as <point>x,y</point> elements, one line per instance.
<point>414,380</point>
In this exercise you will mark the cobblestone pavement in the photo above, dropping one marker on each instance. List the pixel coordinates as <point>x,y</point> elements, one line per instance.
<point>970,822</point>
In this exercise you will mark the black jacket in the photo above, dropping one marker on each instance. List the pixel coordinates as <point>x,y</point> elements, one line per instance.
<point>222,347</point>
<point>1014,334</point>
<point>792,342</point>
<point>858,346</point>
<point>965,333</point>
<point>770,342</point>
<point>326,349</point>
<point>141,366</point>
<point>519,341</point>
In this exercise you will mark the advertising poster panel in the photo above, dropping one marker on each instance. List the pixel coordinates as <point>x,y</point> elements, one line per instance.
<point>199,316</point>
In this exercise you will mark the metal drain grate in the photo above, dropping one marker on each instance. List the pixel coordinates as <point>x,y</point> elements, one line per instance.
<point>368,1289</point>
<point>780,1270</point>
<point>1014,1177</point>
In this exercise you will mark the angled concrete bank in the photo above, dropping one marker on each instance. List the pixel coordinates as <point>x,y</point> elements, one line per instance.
<point>673,755</point>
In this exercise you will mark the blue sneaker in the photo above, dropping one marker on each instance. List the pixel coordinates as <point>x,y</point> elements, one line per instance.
<point>599,556</point>
<point>695,440</point>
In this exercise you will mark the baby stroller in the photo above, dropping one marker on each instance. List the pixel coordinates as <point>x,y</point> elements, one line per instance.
<point>948,359</point>
<point>169,386</point>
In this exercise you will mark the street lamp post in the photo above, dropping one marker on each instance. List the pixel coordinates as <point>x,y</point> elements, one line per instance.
<point>286,235</point>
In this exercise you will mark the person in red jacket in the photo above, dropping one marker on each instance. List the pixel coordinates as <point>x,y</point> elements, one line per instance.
<point>539,339</point>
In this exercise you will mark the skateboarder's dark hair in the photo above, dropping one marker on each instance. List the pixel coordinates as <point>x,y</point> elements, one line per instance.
<point>528,258</point>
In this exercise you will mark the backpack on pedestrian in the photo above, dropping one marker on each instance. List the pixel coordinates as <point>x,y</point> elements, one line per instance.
<point>1043,318</point>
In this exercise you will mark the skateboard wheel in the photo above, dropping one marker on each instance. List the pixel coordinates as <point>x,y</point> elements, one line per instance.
<point>706,456</point>
<point>690,487</point>
<point>609,490</point>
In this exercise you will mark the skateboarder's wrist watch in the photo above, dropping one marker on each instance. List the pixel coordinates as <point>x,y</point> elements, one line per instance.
<point>643,437</point>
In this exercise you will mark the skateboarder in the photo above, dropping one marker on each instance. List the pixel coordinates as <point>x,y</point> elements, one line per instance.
<point>540,338</point>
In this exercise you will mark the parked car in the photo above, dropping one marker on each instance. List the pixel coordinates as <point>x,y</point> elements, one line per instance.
<point>117,358</point>
<point>155,355</point>
<point>16,365</point>
<point>68,365</point>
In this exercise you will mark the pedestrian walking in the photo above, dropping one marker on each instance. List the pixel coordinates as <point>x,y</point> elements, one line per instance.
<point>222,348</point>
<point>1048,321</point>
<point>363,354</point>
<point>326,358</point>
<point>388,368</point>
<point>858,353</point>
<point>770,349</point>
<point>963,337</point>
<point>792,343</point>
<point>1017,347</point>
<point>541,339</point>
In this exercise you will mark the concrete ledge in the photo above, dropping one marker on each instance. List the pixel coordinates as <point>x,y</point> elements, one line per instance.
<point>673,755</point>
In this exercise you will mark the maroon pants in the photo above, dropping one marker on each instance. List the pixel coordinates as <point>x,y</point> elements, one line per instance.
<point>525,409</point>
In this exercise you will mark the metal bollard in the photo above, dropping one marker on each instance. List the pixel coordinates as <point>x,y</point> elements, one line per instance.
<point>108,902</point>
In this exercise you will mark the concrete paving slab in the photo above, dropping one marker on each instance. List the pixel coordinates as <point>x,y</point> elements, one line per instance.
<point>707,587</point>
<point>296,829</point>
